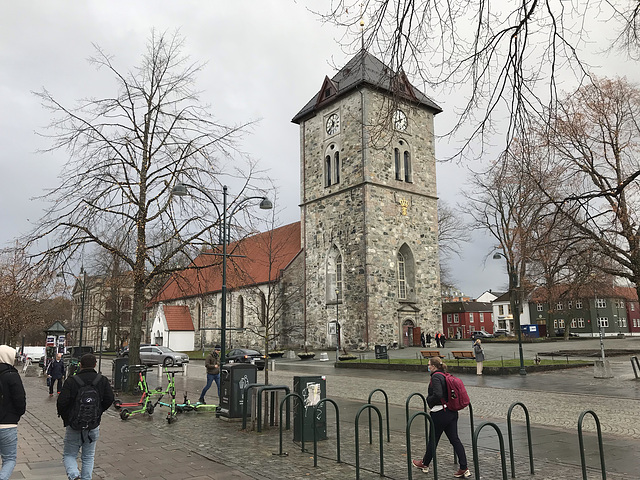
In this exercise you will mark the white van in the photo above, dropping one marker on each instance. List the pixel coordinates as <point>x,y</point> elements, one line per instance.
<point>34,353</point>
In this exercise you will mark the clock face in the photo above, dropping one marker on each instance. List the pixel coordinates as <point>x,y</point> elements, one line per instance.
<point>333,124</point>
<point>400,121</point>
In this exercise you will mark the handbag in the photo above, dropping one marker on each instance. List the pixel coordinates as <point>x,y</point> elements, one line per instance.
<point>48,381</point>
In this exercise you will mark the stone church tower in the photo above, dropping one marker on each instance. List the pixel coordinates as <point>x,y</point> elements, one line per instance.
<point>369,209</point>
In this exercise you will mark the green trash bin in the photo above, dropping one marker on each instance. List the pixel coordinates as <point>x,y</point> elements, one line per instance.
<point>120,373</point>
<point>312,389</point>
<point>234,378</point>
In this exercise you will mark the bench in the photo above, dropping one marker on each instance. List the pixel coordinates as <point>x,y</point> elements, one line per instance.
<point>463,354</point>
<point>430,353</point>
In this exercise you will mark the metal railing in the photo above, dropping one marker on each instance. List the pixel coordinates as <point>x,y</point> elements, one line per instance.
<point>245,395</point>
<point>476,464</point>
<point>315,429</point>
<point>300,405</point>
<point>634,364</point>
<point>511,456</point>
<point>369,407</point>
<point>386,406</point>
<point>581,441</point>
<point>427,420</point>
<point>259,391</point>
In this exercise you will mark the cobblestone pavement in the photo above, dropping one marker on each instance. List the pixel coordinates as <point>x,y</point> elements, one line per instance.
<point>198,446</point>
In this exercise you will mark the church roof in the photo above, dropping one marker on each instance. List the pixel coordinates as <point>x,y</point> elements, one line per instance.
<point>254,260</point>
<point>364,69</point>
<point>178,318</point>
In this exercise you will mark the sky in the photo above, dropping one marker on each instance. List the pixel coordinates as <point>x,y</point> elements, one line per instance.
<point>265,60</point>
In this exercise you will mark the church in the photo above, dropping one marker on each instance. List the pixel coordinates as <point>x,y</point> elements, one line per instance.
<point>361,267</point>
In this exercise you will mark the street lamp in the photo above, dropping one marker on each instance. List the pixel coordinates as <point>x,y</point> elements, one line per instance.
<point>180,190</point>
<point>83,283</point>
<point>515,303</point>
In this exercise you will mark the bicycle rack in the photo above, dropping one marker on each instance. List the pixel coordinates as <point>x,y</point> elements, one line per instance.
<point>315,431</point>
<point>432,438</point>
<point>581,440</point>
<point>526,413</point>
<point>300,405</point>
<point>475,449</point>
<point>244,402</point>
<point>386,404</point>
<point>406,405</point>
<point>634,364</point>
<point>369,407</point>
<point>267,388</point>
<point>455,458</point>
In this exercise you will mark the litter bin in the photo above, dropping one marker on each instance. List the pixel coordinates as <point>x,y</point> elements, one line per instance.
<point>381,351</point>
<point>234,378</point>
<point>120,373</point>
<point>530,330</point>
<point>312,389</point>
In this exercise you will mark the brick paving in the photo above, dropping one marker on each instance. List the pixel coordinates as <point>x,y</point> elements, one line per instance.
<point>199,446</point>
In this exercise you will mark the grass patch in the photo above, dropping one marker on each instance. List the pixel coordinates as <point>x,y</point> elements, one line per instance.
<point>487,363</point>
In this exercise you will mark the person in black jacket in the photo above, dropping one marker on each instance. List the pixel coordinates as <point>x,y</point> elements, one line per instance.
<point>444,420</point>
<point>74,440</point>
<point>55,372</point>
<point>14,404</point>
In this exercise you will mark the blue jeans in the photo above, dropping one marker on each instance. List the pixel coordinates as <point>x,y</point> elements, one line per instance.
<point>211,377</point>
<point>8,450</point>
<point>72,445</point>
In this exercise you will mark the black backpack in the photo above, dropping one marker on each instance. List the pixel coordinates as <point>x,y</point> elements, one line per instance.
<point>87,408</point>
<point>1,391</point>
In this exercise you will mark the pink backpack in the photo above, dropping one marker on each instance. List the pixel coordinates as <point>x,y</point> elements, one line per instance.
<point>458,396</point>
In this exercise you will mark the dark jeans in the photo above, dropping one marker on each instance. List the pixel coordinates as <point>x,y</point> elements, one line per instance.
<point>53,380</point>
<point>446,421</point>
<point>211,377</point>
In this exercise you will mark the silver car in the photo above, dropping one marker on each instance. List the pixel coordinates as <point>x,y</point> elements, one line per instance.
<point>155,355</point>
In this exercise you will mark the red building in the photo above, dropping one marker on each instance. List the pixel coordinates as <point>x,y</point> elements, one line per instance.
<point>459,319</point>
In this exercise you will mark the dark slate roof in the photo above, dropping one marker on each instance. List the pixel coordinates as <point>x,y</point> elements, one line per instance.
<point>365,69</point>
<point>459,307</point>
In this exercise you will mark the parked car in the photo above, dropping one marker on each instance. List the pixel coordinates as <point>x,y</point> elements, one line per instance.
<point>560,333</point>
<point>124,351</point>
<point>502,332</point>
<point>481,334</point>
<point>245,355</point>
<point>159,355</point>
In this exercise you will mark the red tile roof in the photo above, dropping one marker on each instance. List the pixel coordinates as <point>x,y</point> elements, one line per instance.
<point>178,318</point>
<point>254,260</point>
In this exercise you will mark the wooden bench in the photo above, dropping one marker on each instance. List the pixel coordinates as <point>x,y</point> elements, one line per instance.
<point>430,353</point>
<point>463,354</point>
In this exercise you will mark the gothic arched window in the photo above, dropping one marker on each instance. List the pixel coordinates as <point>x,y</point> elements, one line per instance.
<point>241,310</point>
<point>335,286</point>
<point>402,162</point>
<point>407,166</point>
<point>402,277</point>
<point>405,273</point>
<point>332,165</point>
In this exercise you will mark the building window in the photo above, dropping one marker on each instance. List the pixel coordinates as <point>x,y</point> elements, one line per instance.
<point>619,303</point>
<point>559,306</point>
<point>241,310</point>
<point>500,309</point>
<point>578,304</point>
<point>402,278</point>
<point>471,317</point>
<point>332,165</point>
<point>482,318</point>
<point>396,154</point>
<point>574,323</point>
<point>603,322</point>
<point>580,322</point>
<point>601,303</point>
<point>555,323</point>
<point>569,305</point>
<point>622,322</point>
<point>334,276</point>
<point>448,318</point>
<point>407,167</point>
<point>632,306</point>
<point>402,162</point>
<point>336,167</point>
<point>540,307</point>
<point>456,318</point>
<point>561,323</point>
<point>327,171</point>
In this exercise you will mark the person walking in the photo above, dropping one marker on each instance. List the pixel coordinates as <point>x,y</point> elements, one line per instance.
<point>212,364</point>
<point>428,339</point>
<point>438,339</point>
<point>77,439</point>
<point>444,420</point>
<point>55,373</point>
<point>479,352</point>
<point>14,404</point>
<point>443,340</point>
<point>423,342</point>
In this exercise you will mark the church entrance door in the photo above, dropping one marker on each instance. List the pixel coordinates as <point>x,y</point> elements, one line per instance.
<point>407,333</point>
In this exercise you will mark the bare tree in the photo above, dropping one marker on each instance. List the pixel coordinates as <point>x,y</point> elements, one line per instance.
<point>126,152</point>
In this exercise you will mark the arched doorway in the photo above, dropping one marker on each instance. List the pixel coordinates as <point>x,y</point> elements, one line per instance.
<point>407,332</point>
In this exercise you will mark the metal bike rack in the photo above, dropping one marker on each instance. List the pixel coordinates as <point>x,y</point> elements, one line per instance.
<point>432,438</point>
<point>455,457</point>
<point>267,388</point>
<point>386,405</point>
<point>475,449</point>
<point>406,404</point>
<point>584,464</point>
<point>315,431</point>
<point>634,364</point>
<point>369,407</point>
<point>526,413</point>
<point>245,395</point>
<point>300,405</point>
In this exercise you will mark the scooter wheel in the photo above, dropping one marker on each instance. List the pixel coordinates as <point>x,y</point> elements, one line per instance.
<point>150,408</point>
<point>117,404</point>
<point>170,418</point>
<point>125,414</point>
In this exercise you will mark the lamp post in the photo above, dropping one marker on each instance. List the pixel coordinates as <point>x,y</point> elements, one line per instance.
<point>83,284</point>
<point>515,303</point>
<point>180,189</point>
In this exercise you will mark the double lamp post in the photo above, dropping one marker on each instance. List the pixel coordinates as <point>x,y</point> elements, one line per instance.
<point>180,190</point>
<point>83,284</point>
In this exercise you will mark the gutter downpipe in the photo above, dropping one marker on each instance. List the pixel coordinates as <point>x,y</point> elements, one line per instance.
<point>364,218</point>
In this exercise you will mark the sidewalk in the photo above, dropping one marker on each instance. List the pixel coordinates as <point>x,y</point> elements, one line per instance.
<point>199,447</point>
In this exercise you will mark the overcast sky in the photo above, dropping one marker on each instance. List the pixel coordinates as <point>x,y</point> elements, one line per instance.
<point>266,59</point>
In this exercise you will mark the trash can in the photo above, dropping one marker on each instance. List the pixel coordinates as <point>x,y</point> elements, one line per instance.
<point>381,351</point>
<point>120,373</point>
<point>312,389</point>
<point>530,331</point>
<point>234,378</point>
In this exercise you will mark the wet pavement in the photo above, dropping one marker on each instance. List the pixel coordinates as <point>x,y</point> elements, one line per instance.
<point>199,446</point>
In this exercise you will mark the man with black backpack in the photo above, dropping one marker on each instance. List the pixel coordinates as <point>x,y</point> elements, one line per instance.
<point>84,397</point>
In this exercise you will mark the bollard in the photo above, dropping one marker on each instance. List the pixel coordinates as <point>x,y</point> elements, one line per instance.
<point>272,365</point>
